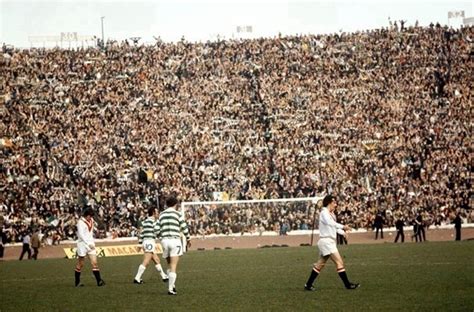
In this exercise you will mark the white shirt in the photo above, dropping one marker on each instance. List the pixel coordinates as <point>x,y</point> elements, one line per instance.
<point>26,239</point>
<point>85,231</point>
<point>328,227</point>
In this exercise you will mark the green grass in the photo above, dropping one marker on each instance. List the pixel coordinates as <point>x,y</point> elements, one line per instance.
<point>409,277</point>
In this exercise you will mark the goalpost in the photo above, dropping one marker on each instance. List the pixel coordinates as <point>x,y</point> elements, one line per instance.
<point>251,217</point>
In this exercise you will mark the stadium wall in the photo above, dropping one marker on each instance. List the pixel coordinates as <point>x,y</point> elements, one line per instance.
<point>267,239</point>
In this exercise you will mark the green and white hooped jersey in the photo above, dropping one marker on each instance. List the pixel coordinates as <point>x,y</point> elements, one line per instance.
<point>150,229</point>
<point>172,224</point>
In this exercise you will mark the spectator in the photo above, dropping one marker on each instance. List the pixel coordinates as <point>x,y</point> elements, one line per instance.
<point>378,224</point>
<point>3,241</point>
<point>35,243</point>
<point>116,128</point>
<point>26,245</point>
<point>457,226</point>
<point>421,227</point>
<point>399,226</point>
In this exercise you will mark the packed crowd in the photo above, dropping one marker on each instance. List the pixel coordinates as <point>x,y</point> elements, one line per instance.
<point>380,118</point>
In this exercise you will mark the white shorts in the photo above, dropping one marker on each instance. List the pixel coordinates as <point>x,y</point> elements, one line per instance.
<point>172,247</point>
<point>83,249</point>
<point>149,245</point>
<point>327,246</point>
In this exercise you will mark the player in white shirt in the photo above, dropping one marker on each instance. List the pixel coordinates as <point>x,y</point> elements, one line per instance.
<point>86,247</point>
<point>328,230</point>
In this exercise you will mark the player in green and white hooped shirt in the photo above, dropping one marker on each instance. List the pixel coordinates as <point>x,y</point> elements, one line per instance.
<point>172,224</point>
<point>147,238</point>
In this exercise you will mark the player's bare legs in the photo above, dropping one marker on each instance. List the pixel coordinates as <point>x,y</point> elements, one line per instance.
<point>337,259</point>
<point>318,266</point>
<point>80,263</point>
<point>321,263</point>
<point>172,263</point>
<point>93,259</point>
<point>146,258</point>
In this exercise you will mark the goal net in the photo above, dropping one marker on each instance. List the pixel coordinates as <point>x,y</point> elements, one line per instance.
<point>251,217</point>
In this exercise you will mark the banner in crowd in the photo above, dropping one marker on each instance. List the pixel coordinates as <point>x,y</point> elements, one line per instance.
<point>220,196</point>
<point>113,251</point>
<point>370,145</point>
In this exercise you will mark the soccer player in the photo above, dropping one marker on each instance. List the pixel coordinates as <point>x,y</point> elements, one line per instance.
<point>147,239</point>
<point>86,246</point>
<point>171,225</point>
<point>328,228</point>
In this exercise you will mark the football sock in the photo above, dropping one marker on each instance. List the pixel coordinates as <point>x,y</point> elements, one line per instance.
<point>160,270</point>
<point>97,275</point>
<point>77,276</point>
<point>172,280</point>
<point>312,277</point>
<point>141,270</point>
<point>343,276</point>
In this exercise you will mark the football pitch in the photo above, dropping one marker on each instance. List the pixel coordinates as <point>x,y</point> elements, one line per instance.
<point>431,276</point>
